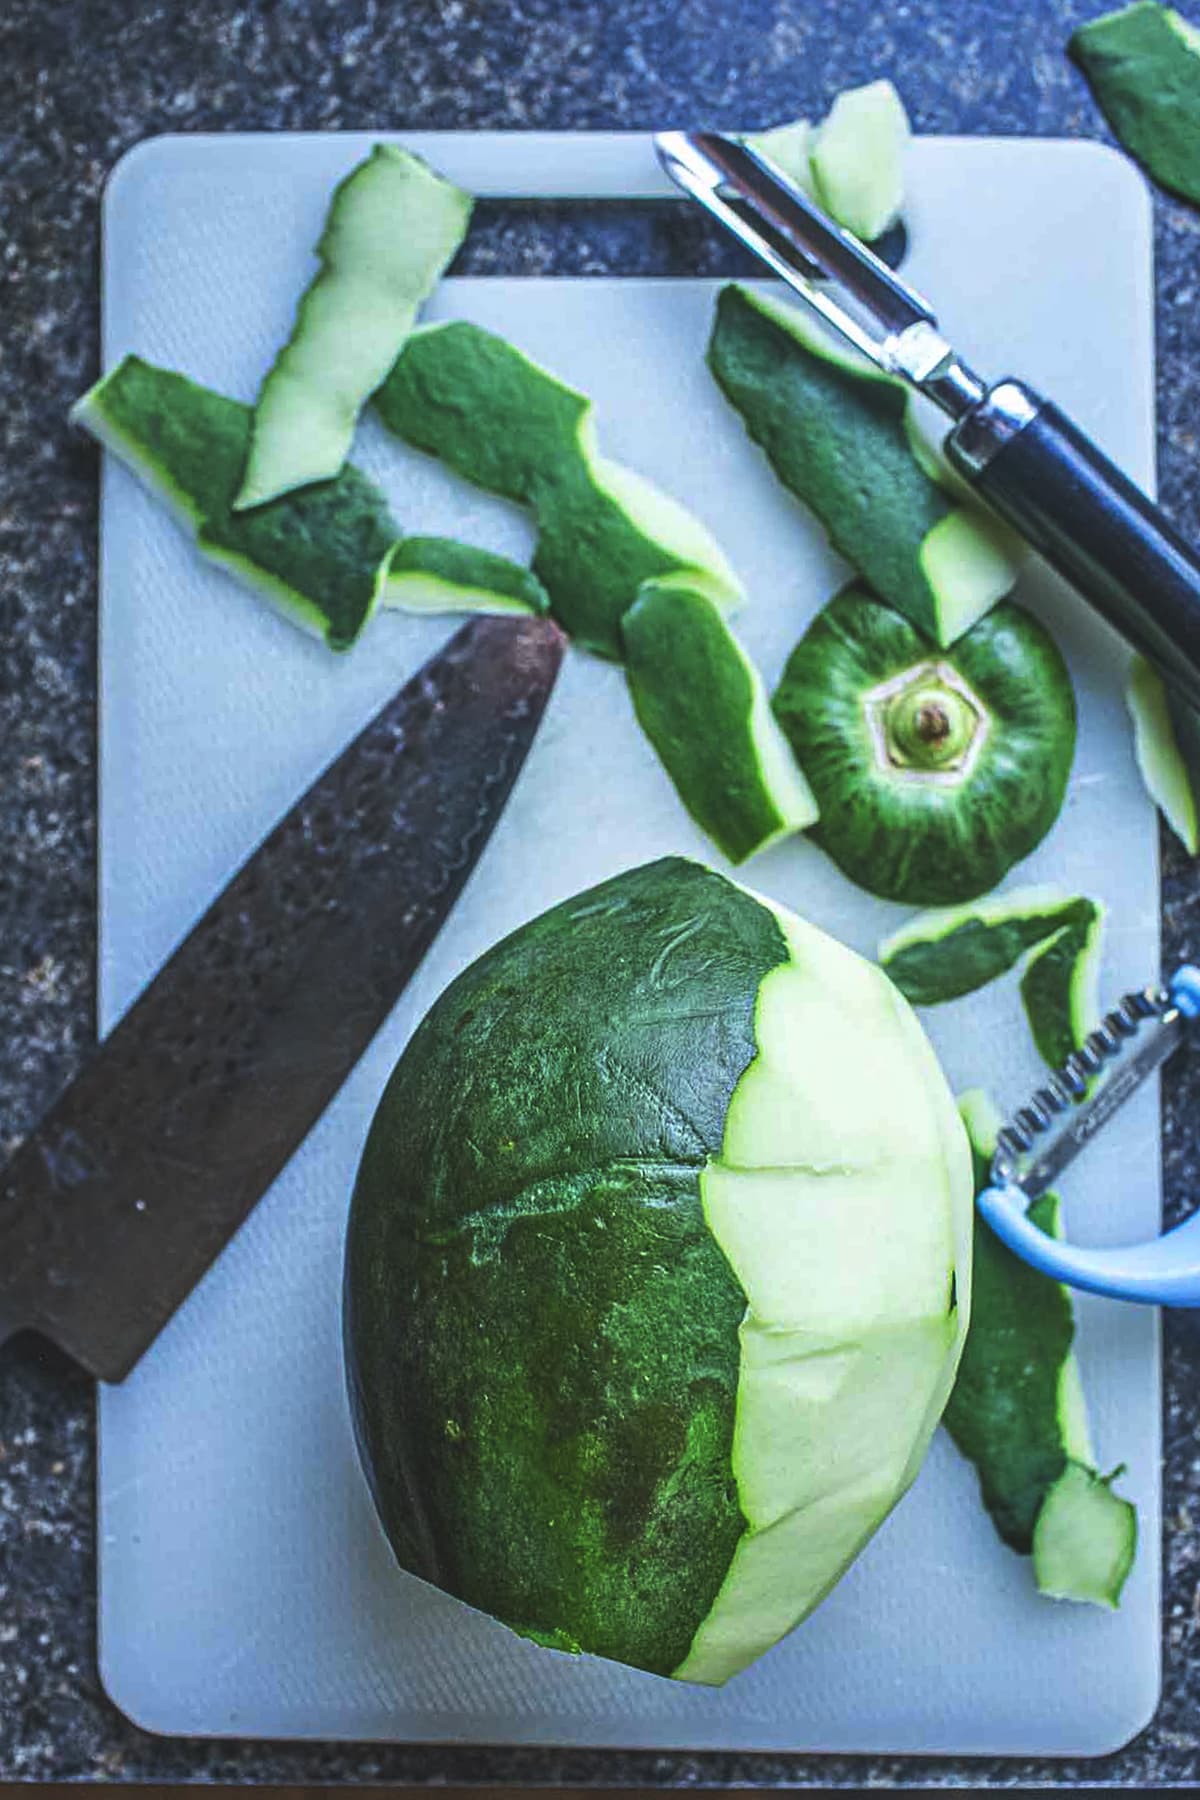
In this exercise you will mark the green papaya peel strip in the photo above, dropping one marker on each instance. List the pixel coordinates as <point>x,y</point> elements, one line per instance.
<point>435,574</point>
<point>857,158</point>
<point>1017,1411</point>
<point>320,556</point>
<point>853,162</point>
<point>325,557</point>
<point>1143,65</point>
<point>834,429</point>
<point>1060,985</point>
<point>1085,1538</point>
<point>1166,741</point>
<point>393,225</point>
<point>504,423</point>
<point>948,952</point>
<point>702,704</point>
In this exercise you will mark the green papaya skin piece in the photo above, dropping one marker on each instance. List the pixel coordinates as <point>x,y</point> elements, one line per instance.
<point>1085,1539</point>
<point>703,706</point>
<point>934,771</point>
<point>833,428</point>
<point>393,226</point>
<point>1060,985</point>
<point>436,574</point>
<point>944,954</point>
<point>790,149</point>
<point>852,163</point>
<point>1017,1411</point>
<point>503,422</point>
<point>321,556</point>
<point>857,159</point>
<point>1143,66</point>
<point>1166,739</point>
<point>616,1377</point>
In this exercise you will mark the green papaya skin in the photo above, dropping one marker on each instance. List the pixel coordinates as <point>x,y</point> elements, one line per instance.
<point>648,1436</point>
<point>1143,65</point>
<point>834,429</point>
<point>702,704</point>
<point>936,822</point>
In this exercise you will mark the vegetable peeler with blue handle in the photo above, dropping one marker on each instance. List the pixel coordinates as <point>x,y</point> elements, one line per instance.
<point>1063,1117</point>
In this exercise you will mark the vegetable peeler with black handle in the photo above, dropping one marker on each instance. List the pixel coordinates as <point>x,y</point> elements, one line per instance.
<point>1022,455</point>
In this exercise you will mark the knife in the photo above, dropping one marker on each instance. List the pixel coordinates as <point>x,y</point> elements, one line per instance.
<point>1024,457</point>
<point>120,1199</point>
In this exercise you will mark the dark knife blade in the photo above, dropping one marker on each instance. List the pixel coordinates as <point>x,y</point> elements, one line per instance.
<point>117,1203</point>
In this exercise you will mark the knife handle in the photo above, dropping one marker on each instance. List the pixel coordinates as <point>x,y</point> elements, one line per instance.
<point>1048,479</point>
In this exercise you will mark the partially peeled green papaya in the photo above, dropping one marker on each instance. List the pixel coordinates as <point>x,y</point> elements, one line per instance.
<point>649,1320</point>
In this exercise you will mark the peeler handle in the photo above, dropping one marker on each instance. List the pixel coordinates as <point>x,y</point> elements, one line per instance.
<point>1163,1271</point>
<point>1091,523</point>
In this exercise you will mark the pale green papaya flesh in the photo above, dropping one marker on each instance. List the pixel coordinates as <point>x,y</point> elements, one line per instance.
<point>392,227</point>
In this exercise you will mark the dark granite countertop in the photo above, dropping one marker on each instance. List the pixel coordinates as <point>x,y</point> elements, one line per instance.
<point>79,84</point>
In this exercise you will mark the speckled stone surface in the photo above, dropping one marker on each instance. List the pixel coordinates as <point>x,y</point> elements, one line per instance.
<point>79,84</point>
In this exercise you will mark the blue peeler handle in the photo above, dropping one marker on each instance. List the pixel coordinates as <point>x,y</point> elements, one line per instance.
<point>1165,1271</point>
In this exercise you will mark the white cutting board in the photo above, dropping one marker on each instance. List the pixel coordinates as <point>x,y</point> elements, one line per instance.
<point>244,1586</point>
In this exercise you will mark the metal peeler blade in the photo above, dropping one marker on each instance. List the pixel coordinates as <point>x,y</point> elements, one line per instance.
<point>1067,1113</point>
<point>852,289</point>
